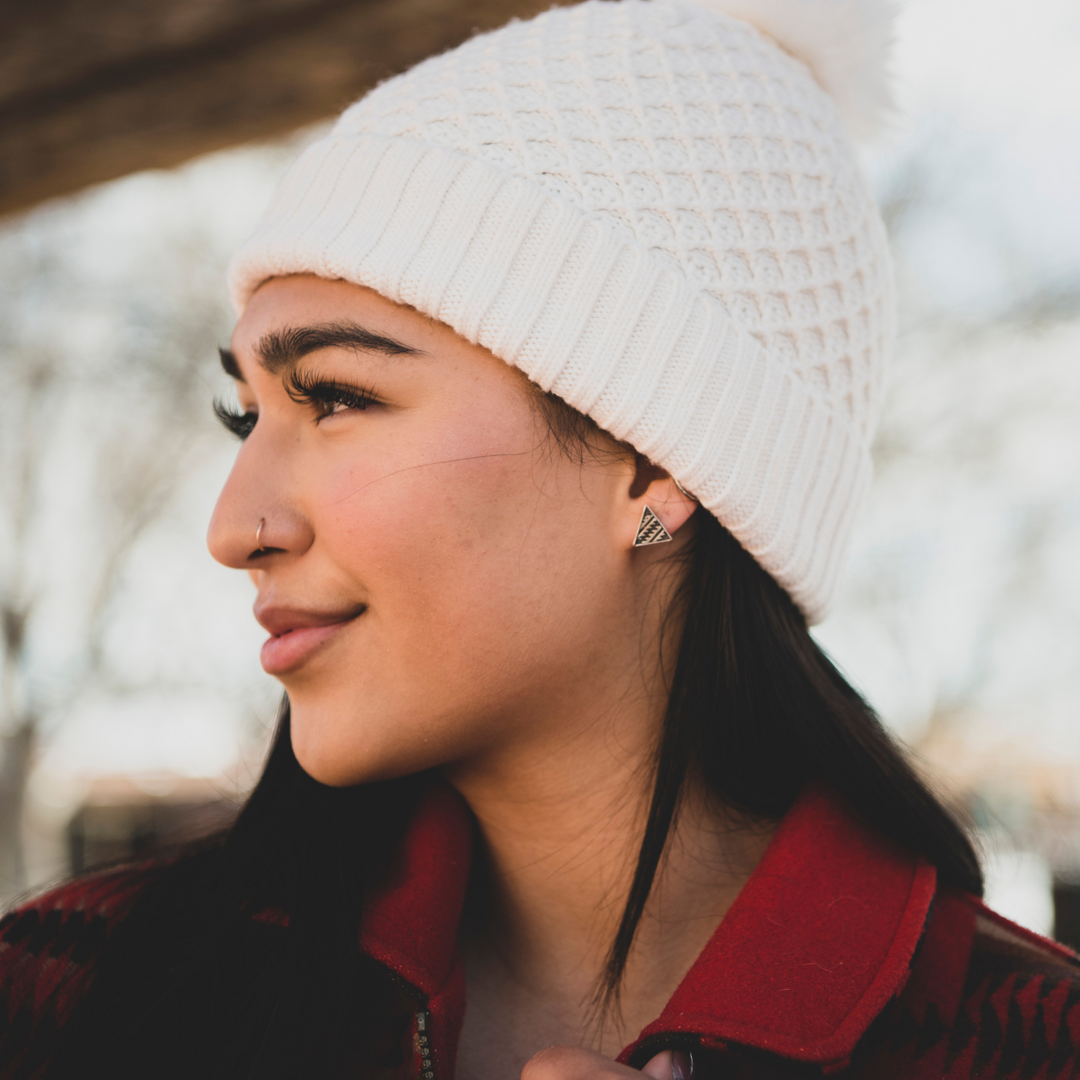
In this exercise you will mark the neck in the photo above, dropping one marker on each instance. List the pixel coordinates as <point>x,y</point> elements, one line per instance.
<point>562,825</point>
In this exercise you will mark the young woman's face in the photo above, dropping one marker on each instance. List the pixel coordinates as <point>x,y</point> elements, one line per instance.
<point>436,577</point>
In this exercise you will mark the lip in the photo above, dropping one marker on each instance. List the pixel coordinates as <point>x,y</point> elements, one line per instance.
<point>296,635</point>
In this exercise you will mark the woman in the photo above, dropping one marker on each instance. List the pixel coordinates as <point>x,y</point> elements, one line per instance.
<point>557,364</point>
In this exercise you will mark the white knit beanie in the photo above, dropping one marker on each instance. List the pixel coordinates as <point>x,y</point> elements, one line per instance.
<point>652,209</point>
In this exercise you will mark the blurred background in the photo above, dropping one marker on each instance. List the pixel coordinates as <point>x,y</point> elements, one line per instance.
<point>139,145</point>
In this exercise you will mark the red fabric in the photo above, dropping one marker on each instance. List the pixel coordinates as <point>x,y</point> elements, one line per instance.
<point>1002,1004</point>
<point>47,953</point>
<point>837,957</point>
<point>410,924</point>
<point>818,941</point>
<point>938,980</point>
<point>1029,936</point>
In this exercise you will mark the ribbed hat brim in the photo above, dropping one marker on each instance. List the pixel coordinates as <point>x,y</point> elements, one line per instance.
<point>588,313</point>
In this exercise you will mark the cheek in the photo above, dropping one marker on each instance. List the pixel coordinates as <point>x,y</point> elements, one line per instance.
<point>402,514</point>
<point>486,578</point>
<point>467,559</point>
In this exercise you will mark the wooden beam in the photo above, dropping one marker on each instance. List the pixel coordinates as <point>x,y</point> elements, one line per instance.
<point>92,91</point>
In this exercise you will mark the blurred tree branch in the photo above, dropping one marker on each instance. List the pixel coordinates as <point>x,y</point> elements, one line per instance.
<point>136,409</point>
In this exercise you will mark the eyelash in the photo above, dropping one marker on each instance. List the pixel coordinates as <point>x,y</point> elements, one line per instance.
<point>309,389</point>
<point>304,389</point>
<point>240,424</point>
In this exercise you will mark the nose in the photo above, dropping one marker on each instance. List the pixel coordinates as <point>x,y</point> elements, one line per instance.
<point>258,492</point>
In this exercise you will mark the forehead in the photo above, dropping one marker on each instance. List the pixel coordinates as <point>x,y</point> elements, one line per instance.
<point>305,300</point>
<point>308,313</point>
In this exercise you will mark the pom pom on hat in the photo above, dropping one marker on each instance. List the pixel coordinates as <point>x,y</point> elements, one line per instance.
<point>845,43</point>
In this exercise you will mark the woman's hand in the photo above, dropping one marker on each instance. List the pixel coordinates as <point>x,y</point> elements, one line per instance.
<point>568,1063</point>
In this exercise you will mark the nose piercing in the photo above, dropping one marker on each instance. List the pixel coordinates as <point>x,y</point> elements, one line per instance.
<point>258,535</point>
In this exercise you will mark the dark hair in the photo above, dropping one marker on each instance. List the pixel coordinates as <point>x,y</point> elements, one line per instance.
<point>194,983</point>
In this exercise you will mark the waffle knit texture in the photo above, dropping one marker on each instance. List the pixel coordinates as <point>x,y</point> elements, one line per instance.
<point>651,209</point>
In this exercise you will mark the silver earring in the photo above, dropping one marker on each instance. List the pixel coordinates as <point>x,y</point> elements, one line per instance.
<point>682,489</point>
<point>650,530</point>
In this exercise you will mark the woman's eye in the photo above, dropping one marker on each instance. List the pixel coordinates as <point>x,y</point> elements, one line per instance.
<point>240,424</point>
<point>329,408</point>
<point>328,397</point>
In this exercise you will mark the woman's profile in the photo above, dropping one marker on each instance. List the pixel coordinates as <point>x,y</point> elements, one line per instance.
<point>557,364</point>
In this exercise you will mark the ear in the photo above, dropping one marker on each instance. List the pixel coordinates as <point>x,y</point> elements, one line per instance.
<point>654,488</point>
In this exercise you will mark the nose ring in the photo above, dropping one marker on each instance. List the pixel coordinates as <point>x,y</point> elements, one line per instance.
<point>258,535</point>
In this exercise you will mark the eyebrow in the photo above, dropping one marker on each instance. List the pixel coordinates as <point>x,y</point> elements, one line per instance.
<point>280,349</point>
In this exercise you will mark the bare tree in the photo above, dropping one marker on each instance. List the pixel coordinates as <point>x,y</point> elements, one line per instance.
<point>135,409</point>
<point>972,385</point>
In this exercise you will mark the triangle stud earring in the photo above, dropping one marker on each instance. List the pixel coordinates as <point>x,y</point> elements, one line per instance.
<point>650,531</point>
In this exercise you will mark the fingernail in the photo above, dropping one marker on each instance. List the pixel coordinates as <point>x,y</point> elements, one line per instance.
<point>682,1065</point>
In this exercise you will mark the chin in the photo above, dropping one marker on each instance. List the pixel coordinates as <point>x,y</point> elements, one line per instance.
<point>328,750</point>
<point>324,759</point>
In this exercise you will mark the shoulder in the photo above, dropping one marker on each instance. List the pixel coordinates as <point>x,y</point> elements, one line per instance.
<point>1022,993</point>
<point>1000,946</point>
<point>985,998</point>
<point>48,950</point>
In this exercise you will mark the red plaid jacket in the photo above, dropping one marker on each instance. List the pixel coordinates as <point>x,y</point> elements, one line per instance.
<point>840,957</point>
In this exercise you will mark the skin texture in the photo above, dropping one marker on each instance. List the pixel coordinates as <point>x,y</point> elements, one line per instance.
<point>492,618</point>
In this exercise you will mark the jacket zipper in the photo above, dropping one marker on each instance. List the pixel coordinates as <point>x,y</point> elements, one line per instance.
<point>423,1044</point>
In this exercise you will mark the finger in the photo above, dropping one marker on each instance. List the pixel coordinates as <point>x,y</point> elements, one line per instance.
<point>659,1067</point>
<point>670,1065</point>
<point>572,1063</point>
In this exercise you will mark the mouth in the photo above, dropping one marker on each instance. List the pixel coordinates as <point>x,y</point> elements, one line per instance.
<point>295,637</point>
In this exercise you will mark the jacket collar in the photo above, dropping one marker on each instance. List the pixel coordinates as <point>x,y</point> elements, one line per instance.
<point>816,944</point>
<point>410,923</point>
